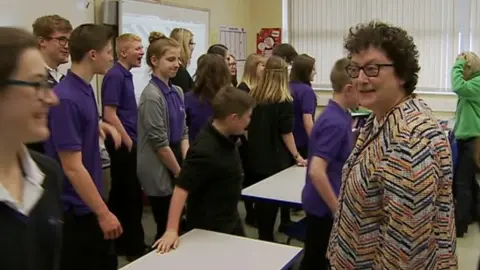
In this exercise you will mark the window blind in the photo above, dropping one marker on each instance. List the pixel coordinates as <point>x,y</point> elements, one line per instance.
<point>318,27</point>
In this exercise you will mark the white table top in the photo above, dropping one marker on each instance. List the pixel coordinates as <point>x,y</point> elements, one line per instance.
<point>284,187</point>
<point>200,249</point>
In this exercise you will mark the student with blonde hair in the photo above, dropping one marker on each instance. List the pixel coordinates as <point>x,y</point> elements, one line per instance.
<point>120,110</point>
<point>184,37</point>
<point>162,132</point>
<point>252,72</point>
<point>271,145</point>
<point>252,75</point>
<point>466,84</point>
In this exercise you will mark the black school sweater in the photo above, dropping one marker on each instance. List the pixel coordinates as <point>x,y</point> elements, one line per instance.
<point>33,242</point>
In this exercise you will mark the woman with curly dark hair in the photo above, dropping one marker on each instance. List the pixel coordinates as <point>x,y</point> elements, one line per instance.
<point>212,74</point>
<point>395,208</point>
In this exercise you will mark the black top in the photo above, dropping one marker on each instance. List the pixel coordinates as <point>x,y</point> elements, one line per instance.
<point>243,148</point>
<point>183,79</point>
<point>38,146</point>
<point>33,242</point>
<point>267,153</point>
<point>213,176</point>
<point>243,86</point>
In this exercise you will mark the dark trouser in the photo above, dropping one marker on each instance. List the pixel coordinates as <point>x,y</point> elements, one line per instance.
<point>247,181</point>
<point>160,206</point>
<point>465,186</point>
<point>249,205</point>
<point>125,199</point>
<point>266,214</point>
<point>238,230</point>
<point>83,245</point>
<point>316,243</point>
<point>303,151</point>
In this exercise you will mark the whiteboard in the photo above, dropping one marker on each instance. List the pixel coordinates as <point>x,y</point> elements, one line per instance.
<point>141,18</point>
<point>22,13</point>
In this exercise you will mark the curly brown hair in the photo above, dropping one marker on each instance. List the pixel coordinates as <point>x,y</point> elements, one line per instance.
<point>212,74</point>
<point>394,41</point>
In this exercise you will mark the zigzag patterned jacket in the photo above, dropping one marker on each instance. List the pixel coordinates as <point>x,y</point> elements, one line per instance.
<point>395,205</point>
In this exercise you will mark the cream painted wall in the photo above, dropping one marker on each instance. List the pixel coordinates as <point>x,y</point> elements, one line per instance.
<point>256,14</point>
<point>264,14</point>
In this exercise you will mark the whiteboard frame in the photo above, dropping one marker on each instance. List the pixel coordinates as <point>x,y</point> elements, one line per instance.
<point>165,3</point>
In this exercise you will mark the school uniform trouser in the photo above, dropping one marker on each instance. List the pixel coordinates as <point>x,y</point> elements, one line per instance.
<point>84,246</point>
<point>316,242</point>
<point>466,189</point>
<point>266,214</point>
<point>303,151</point>
<point>161,204</point>
<point>125,199</point>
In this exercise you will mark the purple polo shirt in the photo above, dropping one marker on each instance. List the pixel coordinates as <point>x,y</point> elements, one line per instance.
<point>175,109</point>
<point>118,91</point>
<point>304,102</point>
<point>74,127</point>
<point>332,140</point>
<point>198,114</point>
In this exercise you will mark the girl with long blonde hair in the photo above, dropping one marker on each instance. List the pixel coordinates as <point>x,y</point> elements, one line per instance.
<point>271,145</point>
<point>184,37</point>
<point>252,72</point>
<point>252,75</point>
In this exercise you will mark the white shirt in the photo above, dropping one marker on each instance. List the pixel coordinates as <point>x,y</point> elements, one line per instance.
<point>32,187</point>
<point>55,73</point>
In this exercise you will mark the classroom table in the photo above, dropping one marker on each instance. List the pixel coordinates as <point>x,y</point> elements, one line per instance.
<point>283,188</point>
<point>202,250</point>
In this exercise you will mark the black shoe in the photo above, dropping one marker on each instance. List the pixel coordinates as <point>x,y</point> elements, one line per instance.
<point>461,231</point>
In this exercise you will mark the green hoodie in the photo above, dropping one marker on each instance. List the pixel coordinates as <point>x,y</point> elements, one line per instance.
<point>467,117</point>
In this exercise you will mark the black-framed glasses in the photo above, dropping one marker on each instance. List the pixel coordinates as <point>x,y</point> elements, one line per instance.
<point>41,87</point>
<point>370,70</point>
<point>61,40</point>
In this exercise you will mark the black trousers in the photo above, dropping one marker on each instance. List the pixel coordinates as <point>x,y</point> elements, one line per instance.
<point>465,186</point>
<point>239,230</point>
<point>125,199</point>
<point>84,246</point>
<point>316,243</point>
<point>160,206</point>
<point>266,214</point>
<point>303,151</point>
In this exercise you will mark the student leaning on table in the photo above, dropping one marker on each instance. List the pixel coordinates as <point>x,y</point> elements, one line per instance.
<point>395,205</point>
<point>162,132</point>
<point>30,183</point>
<point>212,175</point>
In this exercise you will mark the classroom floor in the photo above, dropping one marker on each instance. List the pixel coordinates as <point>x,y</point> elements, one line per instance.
<point>468,248</point>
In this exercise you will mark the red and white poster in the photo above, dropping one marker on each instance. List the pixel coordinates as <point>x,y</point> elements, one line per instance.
<point>268,38</point>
